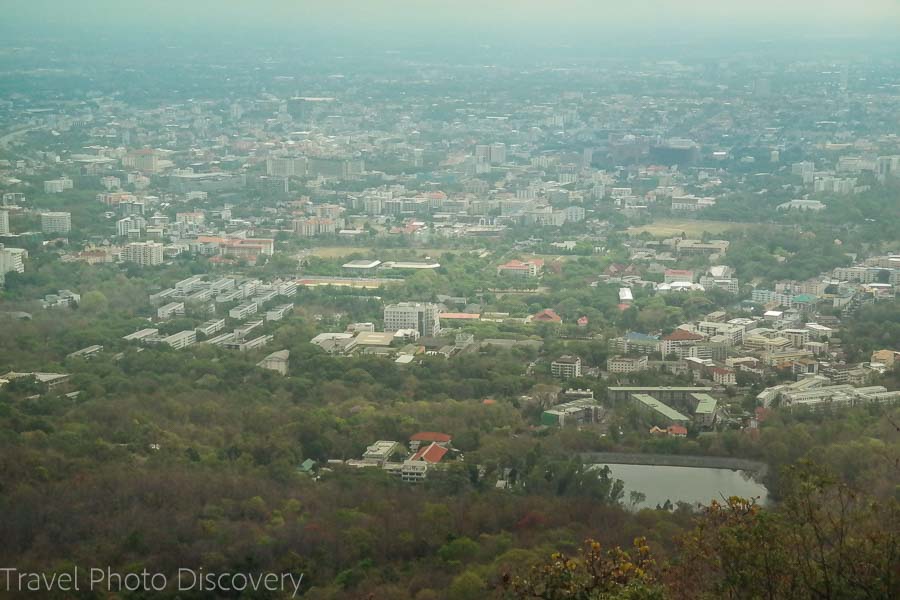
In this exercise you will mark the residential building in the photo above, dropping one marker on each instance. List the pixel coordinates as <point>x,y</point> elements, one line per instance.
<point>625,364</point>
<point>635,342</point>
<point>142,335</point>
<point>145,254</point>
<point>58,186</point>
<point>414,471</point>
<point>56,222</point>
<point>724,376</point>
<point>279,312</point>
<point>704,409</point>
<point>679,343</point>
<point>245,345</point>
<point>170,310</point>
<point>424,317</point>
<point>659,409</point>
<point>566,366</point>
<point>4,222</point>
<point>12,260</point>
<point>691,203</point>
<point>210,327</point>
<point>182,339</point>
<point>242,311</point>
<point>669,394</point>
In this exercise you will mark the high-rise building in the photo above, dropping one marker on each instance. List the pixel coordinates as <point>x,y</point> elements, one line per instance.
<point>4,222</point>
<point>11,259</point>
<point>130,227</point>
<point>421,316</point>
<point>498,153</point>
<point>286,167</point>
<point>142,160</point>
<point>146,254</point>
<point>56,222</point>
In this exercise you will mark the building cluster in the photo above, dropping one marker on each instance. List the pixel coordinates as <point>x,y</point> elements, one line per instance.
<point>247,305</point>
<point>426,452</point>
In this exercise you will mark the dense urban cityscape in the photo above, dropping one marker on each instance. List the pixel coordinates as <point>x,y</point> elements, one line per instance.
<point>423,325</point>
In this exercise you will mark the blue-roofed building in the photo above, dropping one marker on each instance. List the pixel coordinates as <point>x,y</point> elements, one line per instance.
<point>634,341</point>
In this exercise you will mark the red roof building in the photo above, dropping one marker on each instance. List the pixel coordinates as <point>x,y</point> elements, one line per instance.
<point>548,315</point>
<point>683,335</point>
<point>431,453</point>
<point>677,430</point>
<point>431,436</point>
<point>527,268</point>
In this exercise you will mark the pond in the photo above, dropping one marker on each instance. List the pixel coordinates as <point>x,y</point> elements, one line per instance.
<point>685,484</point>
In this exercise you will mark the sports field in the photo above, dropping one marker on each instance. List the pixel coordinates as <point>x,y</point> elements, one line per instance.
<point>342,251</point>
<point>673,227</point>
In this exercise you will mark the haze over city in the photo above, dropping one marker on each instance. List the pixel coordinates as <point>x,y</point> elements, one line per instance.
<point>459,300</point>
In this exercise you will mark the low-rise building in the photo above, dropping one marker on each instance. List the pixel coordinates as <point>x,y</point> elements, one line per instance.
<point>210,327</point>
<point>574,412</point>
<point>705,407</point>
<point>182,339</point>
<point>170,310</point>
<point>659,409</point>
<point>277,361</point>
<point>382,450</point>
<point>242,311</point>
<point>626,364</point>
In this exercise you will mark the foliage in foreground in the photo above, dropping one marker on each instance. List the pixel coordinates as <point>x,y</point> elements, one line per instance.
<point>825,541</point>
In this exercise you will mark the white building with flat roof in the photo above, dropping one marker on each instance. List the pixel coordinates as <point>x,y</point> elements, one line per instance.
<point>145,254</point>
<point>182,339</point>
<point>12,260</point>
<point>421,316</point>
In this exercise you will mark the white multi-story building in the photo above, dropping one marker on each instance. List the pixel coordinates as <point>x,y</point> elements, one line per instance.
<point>286,167</point>
<point>566,367</point>
<point>421,316</point>
<point>242,311</point>
<point>4,222</point>
<point>11,260</point>
<point>110,183</point>
<point>170,310</point>
<point>210,327</point>
<point>626,364</point>
<point>57,186</point>
<point>182,339</point>
<point>56,222</point>
<point>146,254</point>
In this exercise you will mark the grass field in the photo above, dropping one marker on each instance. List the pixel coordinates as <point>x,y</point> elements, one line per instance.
<point>672,227</point>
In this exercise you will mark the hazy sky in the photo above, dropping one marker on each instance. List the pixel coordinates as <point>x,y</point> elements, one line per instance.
<point>758,12</point>
<point>439,20</point>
